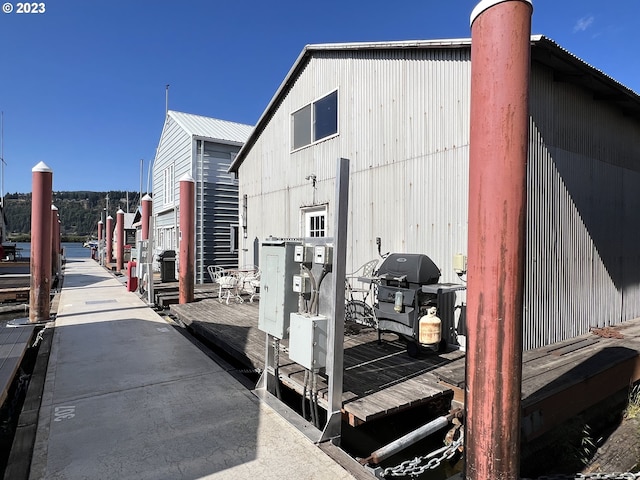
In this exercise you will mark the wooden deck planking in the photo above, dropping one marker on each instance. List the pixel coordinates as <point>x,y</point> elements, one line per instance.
<point>381,379</point>
<point>13,345</point>
<point>375,372</point>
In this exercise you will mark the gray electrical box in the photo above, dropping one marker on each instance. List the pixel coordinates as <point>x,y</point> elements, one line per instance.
<point>277,298</point>
<point>308,340</point>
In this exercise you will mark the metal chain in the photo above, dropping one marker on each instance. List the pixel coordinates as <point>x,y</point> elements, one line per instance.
<point>414,468</point>
<point>38,338</point>
<point>590,476</point>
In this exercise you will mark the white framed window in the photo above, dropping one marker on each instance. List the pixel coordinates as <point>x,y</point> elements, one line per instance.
<point>315,121</point>
<point>314,221</point>
<point>168,186</point>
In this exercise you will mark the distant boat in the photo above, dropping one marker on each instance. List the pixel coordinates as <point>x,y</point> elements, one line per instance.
<point>90,244</point>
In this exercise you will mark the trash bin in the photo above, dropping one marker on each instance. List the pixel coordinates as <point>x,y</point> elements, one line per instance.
<point>167,260</point>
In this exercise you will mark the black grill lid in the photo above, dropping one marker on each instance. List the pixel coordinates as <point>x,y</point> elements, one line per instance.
<point>410,268</point>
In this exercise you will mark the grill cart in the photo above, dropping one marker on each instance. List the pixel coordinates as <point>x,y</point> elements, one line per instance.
<point>410,302</point>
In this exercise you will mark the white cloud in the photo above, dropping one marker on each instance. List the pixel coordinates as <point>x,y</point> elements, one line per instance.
<point>583,23</point>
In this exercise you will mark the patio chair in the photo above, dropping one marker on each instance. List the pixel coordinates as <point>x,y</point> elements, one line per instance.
<point>228,283</point>
<point>360,282</point>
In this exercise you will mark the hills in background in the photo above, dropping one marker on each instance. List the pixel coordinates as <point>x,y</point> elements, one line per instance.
<point>79,212</point>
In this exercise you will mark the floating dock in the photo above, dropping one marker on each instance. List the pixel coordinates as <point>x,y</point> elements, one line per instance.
<point>380,379</point>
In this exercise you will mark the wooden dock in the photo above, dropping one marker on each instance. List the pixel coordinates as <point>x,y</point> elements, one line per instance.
<point>380,379</point>
<point>14,287</point>
<point>13,345</point>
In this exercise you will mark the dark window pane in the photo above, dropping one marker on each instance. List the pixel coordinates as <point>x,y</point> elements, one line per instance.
<point>326,116</point>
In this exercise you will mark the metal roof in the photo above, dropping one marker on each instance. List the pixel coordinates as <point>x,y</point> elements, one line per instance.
<point>566,66</point>
<point>211,128</point>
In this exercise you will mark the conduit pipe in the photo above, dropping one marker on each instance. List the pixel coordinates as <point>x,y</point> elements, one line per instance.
<point>500,66</point>
<point>410,438</point>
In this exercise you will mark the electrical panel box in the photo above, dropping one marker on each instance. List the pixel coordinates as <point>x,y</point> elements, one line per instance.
<point>277,298</point>
<point>308,340</point>
<point>303,254</point>
<point>301,284</point>
<point>322,255</point>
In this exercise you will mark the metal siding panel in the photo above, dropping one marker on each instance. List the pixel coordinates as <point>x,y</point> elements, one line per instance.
<point>403,123</point>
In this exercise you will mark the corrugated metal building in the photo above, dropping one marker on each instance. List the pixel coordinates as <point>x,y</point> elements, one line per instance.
<point>203,147</point>
<point>400,112</point>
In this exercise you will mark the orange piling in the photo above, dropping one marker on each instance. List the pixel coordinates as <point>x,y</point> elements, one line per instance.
<point>500,65</point>
<point>40,257</point>
<point>187,239</point>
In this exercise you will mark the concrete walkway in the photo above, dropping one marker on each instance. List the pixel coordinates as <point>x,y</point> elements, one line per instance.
<point>128,397</point>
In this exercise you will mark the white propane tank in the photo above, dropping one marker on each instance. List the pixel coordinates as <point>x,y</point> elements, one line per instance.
<point>430,328</point>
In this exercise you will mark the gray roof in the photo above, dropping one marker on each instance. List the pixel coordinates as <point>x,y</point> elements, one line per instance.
<point>211,128</point>
<point>544,50</point>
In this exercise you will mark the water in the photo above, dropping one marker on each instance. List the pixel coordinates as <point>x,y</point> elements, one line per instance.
<point>71,250</point>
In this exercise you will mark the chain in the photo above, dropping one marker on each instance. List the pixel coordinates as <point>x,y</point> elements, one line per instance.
<point>38,338</point>
<point>415,468</point>
<point>591,476</point>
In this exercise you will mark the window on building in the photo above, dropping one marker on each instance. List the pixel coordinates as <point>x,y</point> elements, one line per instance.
<point>315,222</point>
<point>234,243</point>
<point>168,185</point>
<point>315,121</point>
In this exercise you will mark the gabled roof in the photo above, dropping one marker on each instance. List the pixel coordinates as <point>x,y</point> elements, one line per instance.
<point>566,67</point>
<point>212,129</point>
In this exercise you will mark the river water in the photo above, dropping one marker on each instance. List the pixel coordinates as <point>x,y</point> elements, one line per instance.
<point>71,250</point>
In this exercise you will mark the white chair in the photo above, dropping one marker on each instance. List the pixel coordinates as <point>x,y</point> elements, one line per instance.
<point>250,280</point>
<point>228,283</point>
<point>361,280</point>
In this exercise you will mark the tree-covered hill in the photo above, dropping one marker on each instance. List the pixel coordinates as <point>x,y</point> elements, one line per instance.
<point>79,211</point>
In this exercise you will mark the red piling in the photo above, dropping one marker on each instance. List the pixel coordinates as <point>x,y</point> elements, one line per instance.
<point>109,240</point>
<point>187,239</point>
<point>55,253</point>
<point>40,259</point>
<point>119,240</point>
<point>500,66</point>
<point>100,231</point>
<point>146,215</point>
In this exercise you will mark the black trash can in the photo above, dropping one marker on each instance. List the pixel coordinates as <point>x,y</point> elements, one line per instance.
<point>167,260</point>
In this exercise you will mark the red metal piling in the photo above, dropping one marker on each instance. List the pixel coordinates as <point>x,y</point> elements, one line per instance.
<point>146,215</point>
<point>187,239</point>
<point>40,257</point>
<point>55,253</point>
<point>500,65</point>
<point>109,240</point>
<point>100,231</point>
<point>119,240</point>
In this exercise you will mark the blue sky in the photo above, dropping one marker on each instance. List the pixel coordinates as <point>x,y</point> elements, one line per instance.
<point>82,86</point>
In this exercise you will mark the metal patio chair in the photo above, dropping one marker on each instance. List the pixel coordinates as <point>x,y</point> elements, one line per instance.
<point>228,283</point>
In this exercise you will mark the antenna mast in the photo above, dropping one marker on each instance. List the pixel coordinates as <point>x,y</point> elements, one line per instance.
<point>166,100</point>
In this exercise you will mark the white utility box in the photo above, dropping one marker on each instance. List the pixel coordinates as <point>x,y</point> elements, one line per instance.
<point>301,284</point>
<point>303,254</point>
<point>308,340</point>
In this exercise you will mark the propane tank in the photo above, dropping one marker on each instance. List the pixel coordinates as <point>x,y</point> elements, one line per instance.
<point>397,304</point>
<point>430,328</point>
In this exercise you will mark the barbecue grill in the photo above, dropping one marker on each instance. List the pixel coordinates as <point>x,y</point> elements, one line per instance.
<point>408,286</point>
